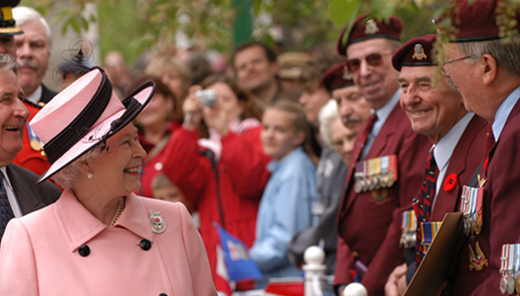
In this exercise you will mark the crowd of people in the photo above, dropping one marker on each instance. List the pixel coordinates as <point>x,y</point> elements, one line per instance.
<point>121,182</point>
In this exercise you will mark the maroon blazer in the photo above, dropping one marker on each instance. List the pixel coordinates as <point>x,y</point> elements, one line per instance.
<point>364,219</point>
<point>501,208</point>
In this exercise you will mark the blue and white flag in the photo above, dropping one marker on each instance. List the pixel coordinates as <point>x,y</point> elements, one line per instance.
<point>239,265</point>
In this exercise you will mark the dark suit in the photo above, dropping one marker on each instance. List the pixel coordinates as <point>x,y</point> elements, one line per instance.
<point>501,204</point>
<point>367,220</point>
<point>29,158</point>
<point>29,195</point>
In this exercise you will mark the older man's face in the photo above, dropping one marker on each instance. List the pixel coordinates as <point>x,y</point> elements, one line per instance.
<point>352,106</point>
<point>13,116</point>
<point>32,52</point>
<point>432,109</point>
<point>7,45</point>
<point>342,139</point>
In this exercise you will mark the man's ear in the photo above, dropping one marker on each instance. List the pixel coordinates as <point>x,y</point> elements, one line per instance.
<point>489,68</point>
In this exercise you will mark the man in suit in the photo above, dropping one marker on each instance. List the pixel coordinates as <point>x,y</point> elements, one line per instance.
<point>33,52</point>
<point>384,174</point>
<point>19,193</point>
<point>485,67</point>
<point>458,136</point>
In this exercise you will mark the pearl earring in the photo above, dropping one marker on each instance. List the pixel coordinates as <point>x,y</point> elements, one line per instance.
<point>89,175</point>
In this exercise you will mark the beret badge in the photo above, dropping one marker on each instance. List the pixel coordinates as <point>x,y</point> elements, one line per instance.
<point>371,27</point>
<point>418,52</point>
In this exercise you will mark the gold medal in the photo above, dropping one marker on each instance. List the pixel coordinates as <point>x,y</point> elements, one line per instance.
<point>36,145</point>
<point>517,285</point>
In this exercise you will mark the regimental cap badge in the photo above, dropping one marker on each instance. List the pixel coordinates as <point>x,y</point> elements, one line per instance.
<point>418,52</point>
<point>371,27</point>
<point>157,222</point>
<point>346,73</point>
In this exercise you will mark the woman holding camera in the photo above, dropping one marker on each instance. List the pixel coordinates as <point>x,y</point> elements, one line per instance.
<point>222,176</point>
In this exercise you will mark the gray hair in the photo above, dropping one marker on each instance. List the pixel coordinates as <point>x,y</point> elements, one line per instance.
<point>505,52</point>
<point>69,175</point>
<point>327,115</point>
<point>8,63</point>
<point>23,14</point>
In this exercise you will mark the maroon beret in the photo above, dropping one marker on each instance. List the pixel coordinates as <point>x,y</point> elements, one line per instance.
<point>8,25</point>
<point>365,28</point>
<point>476,21</point>
<point>415,52</point>
<point>337,77</point>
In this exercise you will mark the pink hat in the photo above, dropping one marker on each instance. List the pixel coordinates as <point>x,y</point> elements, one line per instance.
<point>84,114</point>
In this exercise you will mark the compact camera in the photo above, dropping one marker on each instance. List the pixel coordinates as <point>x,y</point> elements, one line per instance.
<point>208,97</point>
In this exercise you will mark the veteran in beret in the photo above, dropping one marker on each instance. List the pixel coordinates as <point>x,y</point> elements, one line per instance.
<point>482,60</point>
<point>384,174</point>
<point>459,139</point>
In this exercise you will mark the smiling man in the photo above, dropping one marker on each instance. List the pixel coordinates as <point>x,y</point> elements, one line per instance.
<point>384,173</point>
<point>18,193</point>
<point>485,67</point>
<point>32,52</point>
<point>458,137</point>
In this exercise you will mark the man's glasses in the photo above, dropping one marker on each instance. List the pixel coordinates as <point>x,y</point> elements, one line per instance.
<point>454,60</point>
<point>373,60</point>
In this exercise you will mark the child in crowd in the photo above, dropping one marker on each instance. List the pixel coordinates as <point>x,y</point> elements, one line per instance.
<point>285,207</point>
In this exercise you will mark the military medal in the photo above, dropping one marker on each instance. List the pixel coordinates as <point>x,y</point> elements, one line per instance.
<point>429,231</point>
<point>157,222</point>
<point>477,259</point>
<point>408,228</point>
<point>375,173</point>
<point>471,207</point>
<point>504,261</point>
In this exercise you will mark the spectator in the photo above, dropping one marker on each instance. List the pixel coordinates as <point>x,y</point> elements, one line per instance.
<point>33,52</point>
<point>174,74</point>
<point>117,72</point>
<point>290,69</point>
<point>156,126</point>
<point>224,182</point>
<point>20,194</point>
<point>255,68</point>
<point>287,200</point>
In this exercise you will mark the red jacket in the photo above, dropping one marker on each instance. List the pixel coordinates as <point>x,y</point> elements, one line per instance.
<point>28,157</point>
<point>366,220</point>
<point>242,178</point>
<point>150,167</point>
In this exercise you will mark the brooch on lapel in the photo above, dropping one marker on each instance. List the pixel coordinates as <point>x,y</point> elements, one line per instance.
<point>157,222</point>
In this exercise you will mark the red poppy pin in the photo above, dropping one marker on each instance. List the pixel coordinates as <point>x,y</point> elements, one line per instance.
<point>451,182</point>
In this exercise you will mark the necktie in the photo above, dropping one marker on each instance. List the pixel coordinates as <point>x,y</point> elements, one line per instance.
<point>6,213</point>
<point>423,210</point>
<point>490,142</point>
<point>370,125</point>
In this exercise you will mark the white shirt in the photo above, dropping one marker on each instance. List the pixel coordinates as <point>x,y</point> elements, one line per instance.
<point>382,116</point>
<point>10,195</point>
<point>444,148</point>
<point>36,95</point>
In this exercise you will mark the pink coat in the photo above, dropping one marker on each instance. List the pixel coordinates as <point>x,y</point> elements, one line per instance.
<point>43,253</point>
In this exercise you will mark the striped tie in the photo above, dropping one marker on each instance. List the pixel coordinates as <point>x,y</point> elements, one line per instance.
<point>6,213</point>
<point>428,188</point>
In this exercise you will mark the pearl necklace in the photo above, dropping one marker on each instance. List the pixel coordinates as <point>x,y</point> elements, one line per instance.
<point>120,209</point>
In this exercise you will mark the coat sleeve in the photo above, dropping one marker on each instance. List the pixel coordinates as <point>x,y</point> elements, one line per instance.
<point>197,257</point>
<point>243,155</point>
<point>344,263</point>
<point>185,166</point>
<point>292,213</point>
<point>17,263</point>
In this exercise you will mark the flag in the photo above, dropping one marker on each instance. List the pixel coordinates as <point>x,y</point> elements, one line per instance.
<point>236,256</point>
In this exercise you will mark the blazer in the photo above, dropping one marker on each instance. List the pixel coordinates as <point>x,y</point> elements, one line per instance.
<point>29,195</point>
<point>501,214</point>
<point>365,218</point>
<point>64,250</point>
<point>29,157</point>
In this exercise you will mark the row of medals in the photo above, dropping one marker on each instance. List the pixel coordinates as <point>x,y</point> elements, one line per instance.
<point>509,284</point>
<point>366,183</point>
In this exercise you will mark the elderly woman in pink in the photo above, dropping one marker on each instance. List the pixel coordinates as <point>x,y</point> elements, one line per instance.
<point>99,238</point>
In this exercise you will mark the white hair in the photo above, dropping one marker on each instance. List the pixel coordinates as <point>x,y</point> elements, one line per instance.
<point>327,115</point>
<point>23,14</point>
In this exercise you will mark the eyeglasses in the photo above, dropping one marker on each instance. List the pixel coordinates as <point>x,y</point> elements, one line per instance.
<point>373,60</point>
<point>454,60</point>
